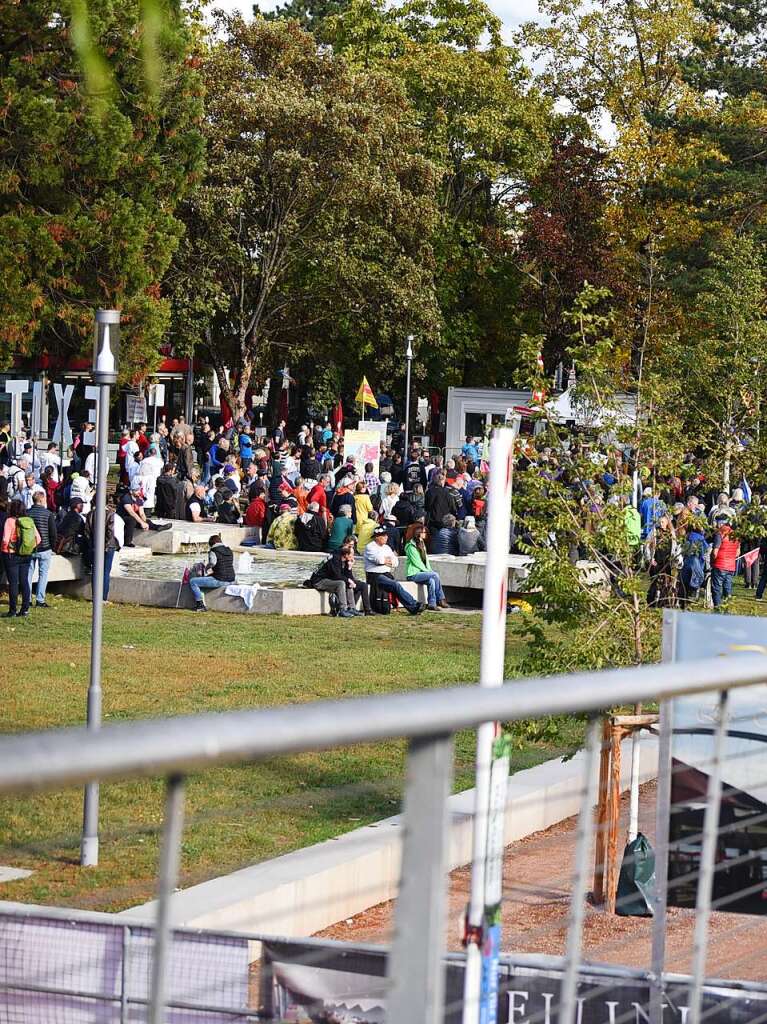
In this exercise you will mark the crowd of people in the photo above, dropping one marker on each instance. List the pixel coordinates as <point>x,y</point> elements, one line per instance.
<point>306,494</point>
<point>690,537</point>
<point>301,495</point>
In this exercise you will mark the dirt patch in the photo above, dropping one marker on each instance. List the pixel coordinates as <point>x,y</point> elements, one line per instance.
<point>537,884</point>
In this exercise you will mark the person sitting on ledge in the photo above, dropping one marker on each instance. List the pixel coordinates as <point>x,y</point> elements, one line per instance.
<point>380,560</point>
<point>219,572</point>
<point>419,569</point>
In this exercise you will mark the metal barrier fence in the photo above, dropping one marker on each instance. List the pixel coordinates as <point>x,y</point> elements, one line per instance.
<point>173,748</point>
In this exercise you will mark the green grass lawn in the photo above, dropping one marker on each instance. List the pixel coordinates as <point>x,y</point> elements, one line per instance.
<point>159,662</point>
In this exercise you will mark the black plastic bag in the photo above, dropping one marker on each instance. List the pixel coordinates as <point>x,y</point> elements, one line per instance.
<point>636,882</point>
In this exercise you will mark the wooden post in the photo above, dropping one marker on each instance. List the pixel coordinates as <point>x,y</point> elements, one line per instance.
<point>601,822</point>
<point>613,818</point>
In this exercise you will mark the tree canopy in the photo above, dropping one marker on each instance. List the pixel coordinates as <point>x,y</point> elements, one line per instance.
<point>94,158</point>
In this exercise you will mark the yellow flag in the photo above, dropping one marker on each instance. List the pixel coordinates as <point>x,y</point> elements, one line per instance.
<point>365,394</point>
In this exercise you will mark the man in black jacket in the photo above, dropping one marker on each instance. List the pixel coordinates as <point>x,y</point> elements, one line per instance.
<point>169,496</point>
<point>311,529</point>
<point>45,521</point>
<point>439,503</point>
<point>219,571</point>
<point>336,576</point>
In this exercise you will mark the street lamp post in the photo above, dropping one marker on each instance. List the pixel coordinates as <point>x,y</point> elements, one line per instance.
<point>105,355</point>
<point>409,357</point>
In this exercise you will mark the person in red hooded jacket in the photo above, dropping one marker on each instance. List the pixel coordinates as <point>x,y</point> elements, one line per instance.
<point>724,562</point>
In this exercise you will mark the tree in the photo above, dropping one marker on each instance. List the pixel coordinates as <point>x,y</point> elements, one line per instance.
<point>486,130</point>
<point>565,242</point>
<point>723,361</point>
<point>619,64</point>
<point>310,14</point>
<point>99,140</point>
<point>316,212</point>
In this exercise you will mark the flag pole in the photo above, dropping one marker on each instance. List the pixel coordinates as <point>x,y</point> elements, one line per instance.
<point>482,937</point>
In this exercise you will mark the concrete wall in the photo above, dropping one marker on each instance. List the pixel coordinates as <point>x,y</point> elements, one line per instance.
<point>303,892</point>
<point>171,594</point>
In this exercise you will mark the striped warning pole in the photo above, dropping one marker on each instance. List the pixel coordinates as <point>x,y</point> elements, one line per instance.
<point>482,936</point>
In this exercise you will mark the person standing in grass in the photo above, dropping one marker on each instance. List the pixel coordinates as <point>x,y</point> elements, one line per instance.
<point>45,522</point>
<point>419,570</point>
<point>19,542</point>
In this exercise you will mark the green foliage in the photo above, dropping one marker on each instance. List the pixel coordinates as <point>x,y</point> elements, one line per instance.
<point>313,222</point>
<point>485,129</point>
<point>99,141</point>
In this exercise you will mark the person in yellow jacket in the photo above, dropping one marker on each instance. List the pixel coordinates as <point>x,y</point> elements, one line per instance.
<point>363,506</point>
<point>365,531</point>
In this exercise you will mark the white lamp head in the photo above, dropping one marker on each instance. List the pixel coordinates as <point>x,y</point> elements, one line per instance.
<point>106,346</point>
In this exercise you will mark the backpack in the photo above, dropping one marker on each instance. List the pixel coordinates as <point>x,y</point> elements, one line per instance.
<point>25,536</point>
<point>379,600</point>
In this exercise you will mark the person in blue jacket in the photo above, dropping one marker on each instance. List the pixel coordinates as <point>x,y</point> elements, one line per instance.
<point>650,511</point>
<point>694,550</point>
<point>246,449</point>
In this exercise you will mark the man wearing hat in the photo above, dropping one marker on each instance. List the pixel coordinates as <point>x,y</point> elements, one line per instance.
<point>282,532</point>
<point>71,532</point>
<point>380,560</point>
<point>130,508</point>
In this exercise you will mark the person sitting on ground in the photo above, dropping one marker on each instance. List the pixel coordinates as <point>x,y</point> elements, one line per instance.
<point>219,572</point>
<point>379,562</point>
<point>445,540</point>
<point>282,532</point>
<point>469,538</point>
<point>342,529</point>
<point>311,529</point>
<point>336,576</point>
<point>419,569</point>
<point>196,508</point>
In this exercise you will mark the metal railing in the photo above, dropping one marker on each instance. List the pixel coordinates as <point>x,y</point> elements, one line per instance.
<point>175,747</point>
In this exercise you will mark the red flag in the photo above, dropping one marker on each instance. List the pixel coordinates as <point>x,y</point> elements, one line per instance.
<point>751,556</point>
<point>337,417</point>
